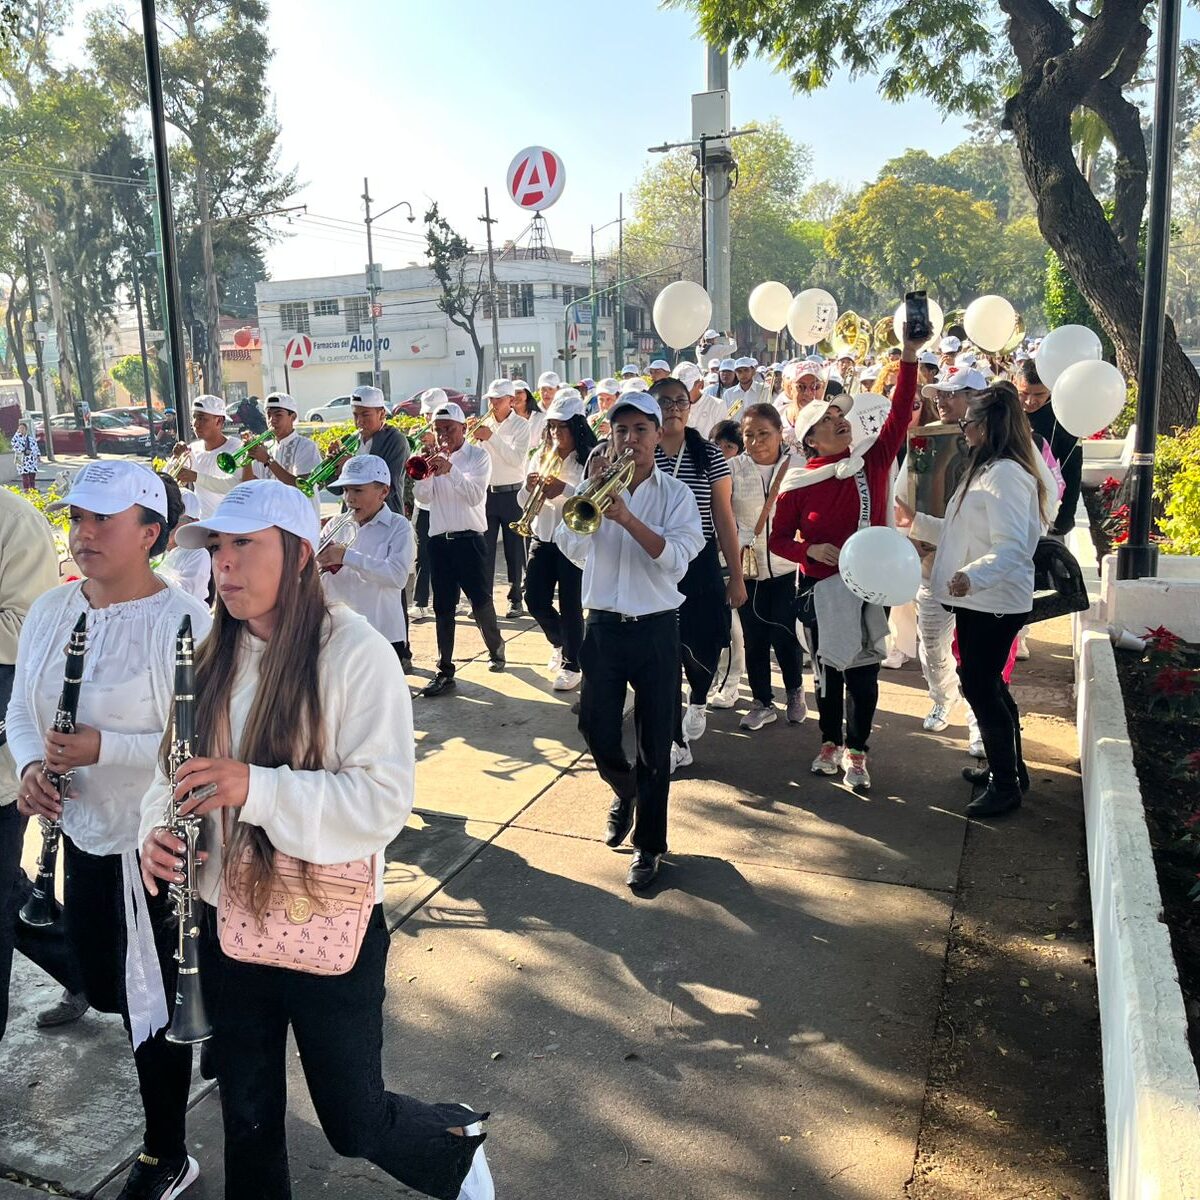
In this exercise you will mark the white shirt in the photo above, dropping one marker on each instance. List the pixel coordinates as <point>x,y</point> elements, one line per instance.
<point>544,524</point>
<point>707,411</point>
<point>211,482</point>
<point>618,575</point>
<point>374,571</point>
<point>189,570</point>
<point>359,802</point>
<point>991,538</point>
<point>457,501</point>
<point>128,685</point>
<point>297,455</point>
<point>507,448</point>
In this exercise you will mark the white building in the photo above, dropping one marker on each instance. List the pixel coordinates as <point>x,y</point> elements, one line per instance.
<point>316,333</point>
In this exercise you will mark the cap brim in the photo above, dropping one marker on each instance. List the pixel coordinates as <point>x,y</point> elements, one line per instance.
<point>637,408</point>
<point>90,500</point>
<point>196,535</point>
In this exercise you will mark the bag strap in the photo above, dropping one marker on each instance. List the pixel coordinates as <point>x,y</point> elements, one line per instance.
<point>772,495</point>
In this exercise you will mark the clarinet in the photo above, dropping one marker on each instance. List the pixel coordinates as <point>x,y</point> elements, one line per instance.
<point>189,1021</point>
<point>42,908</point>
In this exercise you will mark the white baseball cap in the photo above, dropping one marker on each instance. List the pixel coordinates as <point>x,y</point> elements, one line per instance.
<point>739,363</point>
<point>642,401</point>
<point>214,406</point>
<point>927,358</point>
<point>631,369</point>
<point>257,504</point>
<point>687,373</point>
<point>549,379</point>
<point>870,374</point>
<point>431,399</point>
<point>814,410</point>
<point>281,400</point>
<point>950,345</point>
<point>498,388</point>
<point>366,396</point>
<point>710,335</point>
<point>659,364</point>
<point>362,468</point>
<point>968,358</point>
<point>519,385</point>
<point>450,412</point>
<point>636,384</point>
<point>957,379</point>
<point>567,403</point>
<point>714,364</point>
<point>805,366</point>
<point>608,386</point>
<point>727,364</point>
<point>112,487</point>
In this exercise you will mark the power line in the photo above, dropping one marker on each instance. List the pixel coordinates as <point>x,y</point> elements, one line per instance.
<point>66,173</point>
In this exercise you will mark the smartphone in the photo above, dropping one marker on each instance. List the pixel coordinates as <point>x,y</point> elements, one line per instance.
<point>916,315</point>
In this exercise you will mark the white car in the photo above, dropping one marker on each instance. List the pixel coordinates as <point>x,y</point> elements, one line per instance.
<point>336,410</point>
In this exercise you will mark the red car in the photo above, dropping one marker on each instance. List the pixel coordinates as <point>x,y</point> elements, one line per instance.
<point>113,435</point>
<point>412,406</point>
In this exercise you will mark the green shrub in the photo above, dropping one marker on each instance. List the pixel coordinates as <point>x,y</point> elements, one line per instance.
<point>1126,417</point>
<point>1177,491</point>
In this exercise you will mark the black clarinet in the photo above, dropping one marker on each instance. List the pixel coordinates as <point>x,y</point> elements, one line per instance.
<point>42,908</point>
<point>189,1021</point>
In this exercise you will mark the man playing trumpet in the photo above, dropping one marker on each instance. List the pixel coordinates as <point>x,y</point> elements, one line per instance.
<point>293,455</point>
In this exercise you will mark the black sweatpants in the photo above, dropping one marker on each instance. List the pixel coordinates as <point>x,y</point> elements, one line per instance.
<point>703,627</point>
<point>769,623</point>
<point>643,655</point>
<point>502,507</point>
<point>337,1021</point>
<point>458,565</point>
<point>421,593</point>
<point>549,568</point>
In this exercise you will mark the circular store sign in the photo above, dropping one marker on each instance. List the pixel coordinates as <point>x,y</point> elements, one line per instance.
<point>298,351</point>
<point>535,178</point>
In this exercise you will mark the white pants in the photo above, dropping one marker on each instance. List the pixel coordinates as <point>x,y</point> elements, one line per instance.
<point>902,629</point>
<point>936,628</point>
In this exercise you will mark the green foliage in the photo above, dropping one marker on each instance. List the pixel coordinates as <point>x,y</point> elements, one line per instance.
<point>1126,417</point>
<point>1181,523</point>
<point>127,372</point>
<point>1172,455</point>
<point>58,521</point>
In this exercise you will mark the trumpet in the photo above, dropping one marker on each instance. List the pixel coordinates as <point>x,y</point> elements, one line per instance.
<point>420,466</point>
<point>338,531</point>
<point>327,468</point>
<point>417,436</point>
<point>548,464</point>
<point>189,1021</point>
<point>474,424</point>
<point>180,461</point>
<point>236,461</point>
<point>584,511</point>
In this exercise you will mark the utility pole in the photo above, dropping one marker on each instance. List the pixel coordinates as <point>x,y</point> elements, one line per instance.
<point>619,313</point>
<point>489,221</point>
<point>717,168</point>
<point>137,303</point>
<point>37,350</point>
<point>375,281</point>
<point>595,309</point>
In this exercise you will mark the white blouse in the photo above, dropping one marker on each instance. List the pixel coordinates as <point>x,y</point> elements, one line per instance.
<point>571,473</point>
<point>128,684</point>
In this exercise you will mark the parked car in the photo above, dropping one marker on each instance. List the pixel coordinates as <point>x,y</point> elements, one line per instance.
<point>412,406</point>
<point>136,414</point>
<point>336,410</point>
<point>113,435</point>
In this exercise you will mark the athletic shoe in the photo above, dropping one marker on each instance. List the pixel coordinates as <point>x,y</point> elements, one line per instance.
<point>681,756</point>
<point>758,716</point>
<point>556,661</point>
<point>895,660</point>
<point>695,721</point>
<point>797,706</point>
<point>421,614</point>
<point>515,613</point>
<point>938,719</point>
<point>976,750</point>
<point>726,697</point>
<point>567,681</point>
<point>826,763</point>
<point>478,1184</point>
<point>159,1179</point>
<point>70,1008</point>
<point>1022,646</point>
<point>854,762</point>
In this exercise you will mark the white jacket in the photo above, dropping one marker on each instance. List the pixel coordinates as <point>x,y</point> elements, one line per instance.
<point>749,495</point>
<point>990,537</point>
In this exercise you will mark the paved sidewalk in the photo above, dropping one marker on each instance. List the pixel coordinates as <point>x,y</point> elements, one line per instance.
<point>759,1025</point>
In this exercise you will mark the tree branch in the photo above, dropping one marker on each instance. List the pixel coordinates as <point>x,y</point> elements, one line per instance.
<point>1132,169</point>
<point>1098,50</point>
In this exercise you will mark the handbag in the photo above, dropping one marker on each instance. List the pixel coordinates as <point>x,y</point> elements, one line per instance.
<point>749,554</point>
<point>1058,583</point>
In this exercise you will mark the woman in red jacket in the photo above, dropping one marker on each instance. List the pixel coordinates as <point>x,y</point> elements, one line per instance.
<point>822,504</point>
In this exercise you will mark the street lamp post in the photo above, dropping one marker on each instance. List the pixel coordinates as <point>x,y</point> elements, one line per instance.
<point>595,229</point>
<point>375,279</point>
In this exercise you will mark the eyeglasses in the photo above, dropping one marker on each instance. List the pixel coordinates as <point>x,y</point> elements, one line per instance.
<point>965,421</point>
<point>675,402</point>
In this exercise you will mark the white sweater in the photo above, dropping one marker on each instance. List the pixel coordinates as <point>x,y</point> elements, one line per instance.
<point>359,802</point>
<point>749,496</point>
<point>991,538</point>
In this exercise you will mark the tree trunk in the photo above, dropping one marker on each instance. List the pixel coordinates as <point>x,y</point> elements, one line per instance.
<point>83,359</point>
<point>16,339</point>
<point>211,363</point>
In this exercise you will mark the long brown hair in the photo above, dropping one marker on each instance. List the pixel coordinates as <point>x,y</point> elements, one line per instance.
<point>1006,434</point>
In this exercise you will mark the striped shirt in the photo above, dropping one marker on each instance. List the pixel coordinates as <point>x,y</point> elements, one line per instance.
<point>682,468</point>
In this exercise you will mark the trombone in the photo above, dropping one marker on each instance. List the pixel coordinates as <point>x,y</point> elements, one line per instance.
<point>241,458</point>
<point>584,511</point>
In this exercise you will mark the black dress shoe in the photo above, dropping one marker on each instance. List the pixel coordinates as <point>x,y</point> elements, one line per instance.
<point>620,821</point>
<point>993,803</point>
<point>643,870</point>
<point>982,776</point>
<point>497,664</point>
<point>441,683</point>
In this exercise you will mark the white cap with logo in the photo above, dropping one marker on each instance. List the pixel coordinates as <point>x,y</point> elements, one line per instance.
<point>450,412</point>
<point>367,396</point>
<point>257,504</point>
<point>362,469</point>
<point>281,400</point>
<point>214,406</point>
<point>112,487</point>
<point>567,403</point>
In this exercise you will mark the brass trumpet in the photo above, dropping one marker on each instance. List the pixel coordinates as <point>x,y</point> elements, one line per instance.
<point>420,466</point>
<point>180,461</point>
<point>474,424</point>
<point>549,463</point>
<point>584,511</point>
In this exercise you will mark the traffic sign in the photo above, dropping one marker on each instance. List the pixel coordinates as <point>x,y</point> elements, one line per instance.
<point>536,178</point>
<point>298,351</point>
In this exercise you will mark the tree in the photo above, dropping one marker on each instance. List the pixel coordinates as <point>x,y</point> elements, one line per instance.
<point>1067,57</point>
<point>823,200</point>
<point>214,85</point>
<point>127,372</point>
<point>460,273</point>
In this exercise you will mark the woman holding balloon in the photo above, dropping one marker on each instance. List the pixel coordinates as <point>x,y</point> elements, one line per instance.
<point>823,504</point>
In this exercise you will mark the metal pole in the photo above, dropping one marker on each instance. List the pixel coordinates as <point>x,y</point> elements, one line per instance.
<point>372,293</point>
<point>704,211</point>
<point>718,228</point>
<point>173,325</point>
<point>595,310</point>
<point>137,303</point>
<point>1138,558</point>
<point>619,315</point>
<point>37,352</point>
<point>488,223</point>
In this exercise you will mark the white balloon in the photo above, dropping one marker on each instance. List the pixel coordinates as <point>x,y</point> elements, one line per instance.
<point>1062,348</point>
<point>769,304</point>
<point>937,319</point>
<point>1087,397</point>
<point>989,322</point>
<point>812,316</point>
<point>682,312</point>
<point>880,566</point>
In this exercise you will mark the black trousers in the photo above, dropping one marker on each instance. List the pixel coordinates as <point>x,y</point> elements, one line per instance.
<point>703,627</point>
<point>643,655</point>
<point>769,623</point>
<point>549,568</point>
<point>984,640</point>
<point>457,566</point>
<point>421,594</point>
<point>502,507</point>
<point>88,954</point>
<point>337,1021</point>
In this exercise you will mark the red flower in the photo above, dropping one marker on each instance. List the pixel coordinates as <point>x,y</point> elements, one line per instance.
<point>1109,486</point>
<point>1176,683</point>
<point>1163,640</point>
<point>919,444</point>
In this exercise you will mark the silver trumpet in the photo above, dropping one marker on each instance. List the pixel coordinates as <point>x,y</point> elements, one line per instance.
<point>338,531</point>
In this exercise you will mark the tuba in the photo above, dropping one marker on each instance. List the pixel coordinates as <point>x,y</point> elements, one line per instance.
<point>584,511</point>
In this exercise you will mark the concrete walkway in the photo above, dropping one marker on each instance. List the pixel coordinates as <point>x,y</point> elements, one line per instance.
<point>759,1025</point>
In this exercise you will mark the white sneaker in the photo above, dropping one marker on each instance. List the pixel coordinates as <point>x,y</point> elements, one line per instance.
<point>478,1184</point>
<point>854,763</point>
<point>421,614</point>
<point>758,716</point>
<point>681,756</point>
<point>726,697</point>
<point>556,661</point>
<point>895,660</point>
<point>695,721</point>
<point>1022,646</point>
<point>938,719</point>
<point>828,761</point>
<point>976,750</point>
<point>797,707</point>
<point>567,681</point>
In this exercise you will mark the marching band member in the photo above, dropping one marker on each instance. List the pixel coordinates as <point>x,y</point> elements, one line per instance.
<point>190,570</point>
<point>369,409</point>
<point>548,384</point>
<point>704,619</point>
<point>456,492</point>
<point>745,388</point>
<point>526,405</point>
<point>206,478</point>
<point>632,566</point>
<point>375,568</point>
<point>305,752</point>
<point>837,493</point>
<point>658,369</point>
<point>291,455</point>
<point>431,400</point>
<point>120,940</point>
<point>605,396</point>
<point>548,567</point>
<point>707,407</point>
<point>507,445</point>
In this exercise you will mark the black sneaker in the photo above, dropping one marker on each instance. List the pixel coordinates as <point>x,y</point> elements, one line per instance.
<point>159,1178</point>
<point>515,613</point>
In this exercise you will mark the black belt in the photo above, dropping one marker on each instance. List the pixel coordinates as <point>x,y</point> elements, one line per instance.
<point>506,487</point>
<point>457,533</point>
<point>602,616</point>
